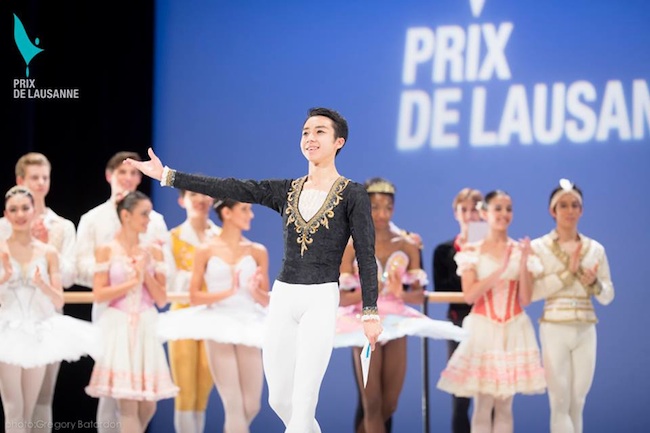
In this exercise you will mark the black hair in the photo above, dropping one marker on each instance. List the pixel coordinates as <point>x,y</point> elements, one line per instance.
<point>18,189</point>
<point>491,195</point>
<point>220,203</point>
<point>129,201</point>
<point>559,188</point>
<point>339,122</point>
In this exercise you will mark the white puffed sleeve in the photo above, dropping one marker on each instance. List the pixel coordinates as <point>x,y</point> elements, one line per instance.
<point>101,267</point>
<point>466,260</point>
<point>534,265</point>
<point>160,267</point>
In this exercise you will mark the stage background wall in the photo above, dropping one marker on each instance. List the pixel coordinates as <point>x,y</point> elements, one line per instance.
<point>233,82</point>
<point>227,95</point>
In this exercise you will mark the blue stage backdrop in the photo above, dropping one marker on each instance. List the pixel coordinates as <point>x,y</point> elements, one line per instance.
<point>439,94</point>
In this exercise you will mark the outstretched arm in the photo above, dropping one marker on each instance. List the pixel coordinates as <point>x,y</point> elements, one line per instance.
<point>269,193</point>
<point>152,168</point>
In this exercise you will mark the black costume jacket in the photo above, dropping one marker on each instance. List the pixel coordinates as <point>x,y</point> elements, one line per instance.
<point>312,249</point>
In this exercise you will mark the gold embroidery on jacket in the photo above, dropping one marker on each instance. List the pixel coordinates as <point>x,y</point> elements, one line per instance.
<point>305,229</point>
<point>564,257</point>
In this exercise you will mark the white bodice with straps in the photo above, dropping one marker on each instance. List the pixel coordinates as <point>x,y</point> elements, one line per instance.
<point>219,277</point>
<point>20,299</point>
<point>31,327</point>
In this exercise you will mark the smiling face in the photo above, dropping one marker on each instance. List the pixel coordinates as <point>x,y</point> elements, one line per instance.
<point>196,205</point>
<point>37,179</point>
<point>123,179</point>
<point>382,207</point>
<point>318,143</point>
<point>19,210</point>
<point>499,212</point>
<point>137,218</point>
<point>239,216</point>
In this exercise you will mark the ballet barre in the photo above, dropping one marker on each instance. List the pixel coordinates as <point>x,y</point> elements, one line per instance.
<point>87,297</point>
<point>445,297</point>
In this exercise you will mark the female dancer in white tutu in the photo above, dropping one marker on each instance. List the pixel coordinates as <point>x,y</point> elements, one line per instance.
<point>230,316</point>
<point>575,271</point>
<point>32,333</point>
<point>500,357</point>
<point>398,261</point>
<point>130,276</point>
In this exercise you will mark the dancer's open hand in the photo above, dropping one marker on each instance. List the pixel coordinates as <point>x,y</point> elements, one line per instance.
<point>152,168</point>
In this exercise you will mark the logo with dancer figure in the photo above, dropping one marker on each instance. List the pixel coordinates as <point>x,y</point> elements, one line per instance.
<point>27,49</point>
<point>26,88</point>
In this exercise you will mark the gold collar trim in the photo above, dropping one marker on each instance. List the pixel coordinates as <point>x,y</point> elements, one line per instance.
<point>553,244</point>
<point>305,229</point>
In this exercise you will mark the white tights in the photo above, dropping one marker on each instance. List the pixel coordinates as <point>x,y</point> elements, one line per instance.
<point>297,349</point>
<point>19,388</point>
<point>135,415</point>
<point>107,415</point>
<point>43,410</point>
<point>483,420</point>
<point>238,376</point>
<point>569,354</point>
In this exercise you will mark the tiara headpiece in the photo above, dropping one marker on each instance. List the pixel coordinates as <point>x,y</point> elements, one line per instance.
<point>381,187</point>
<point>17,189</point>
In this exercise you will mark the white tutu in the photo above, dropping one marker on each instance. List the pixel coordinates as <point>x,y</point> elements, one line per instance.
<point>397,319</point>
<point>395,326</point>
<point>32,332</point>
<point>223,324</point>
<point>32,343</point>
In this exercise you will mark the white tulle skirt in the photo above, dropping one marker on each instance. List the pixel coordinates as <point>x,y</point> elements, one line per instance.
<point>397,319</point>
<point>219,323</point>
<point>30,343</point>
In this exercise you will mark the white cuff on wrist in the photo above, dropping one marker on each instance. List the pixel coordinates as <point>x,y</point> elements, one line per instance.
<point>165,177</point>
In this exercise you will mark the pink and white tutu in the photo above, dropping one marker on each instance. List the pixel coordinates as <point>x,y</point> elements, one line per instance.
<point>133,364</point>
<point>397,319</point>
<point>501,356</point>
